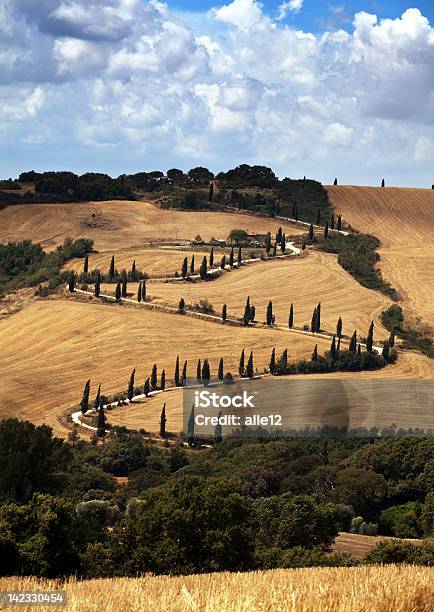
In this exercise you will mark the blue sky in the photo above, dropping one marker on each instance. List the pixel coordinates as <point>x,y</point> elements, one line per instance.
<point>311,87</point>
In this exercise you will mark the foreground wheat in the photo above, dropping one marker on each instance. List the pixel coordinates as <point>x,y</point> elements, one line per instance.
<point>390,588</point>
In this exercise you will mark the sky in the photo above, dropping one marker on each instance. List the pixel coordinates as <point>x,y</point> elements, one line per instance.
<point>312,88</point>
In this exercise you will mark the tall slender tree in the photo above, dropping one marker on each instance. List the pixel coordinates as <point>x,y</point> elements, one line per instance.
<point>283,244</point>
<point>163,380</point>
<point>86,265</point>
<point>203,268</point>
<point>247,312</point>
<point>326,229</point>
<point>111,273</point>
<point>154,375</point>
<point>211,258</point>
<point>147,387</point>
<point>223,262</point>
<point>163,421</point>
<point>231,258</point>
<point>250,369</point>
<point>100,432</point>
<point>118,292</point>
<point>335,182</point>
<point>176,375</point>
<point>206,373</point>
<point>184,372</point>
<point>370,338</point>
<point>220,374</point>
<point>133,271</point>
<point>270,313</point>
<point>240,257</point>
<point>184,269</point>
<point>192,264</point>
<point>333,348</point>
<point>268,243</point>
<point>339,223</point>
<point>98,283</point>
<point>71,281</point>
<point>383,183</point>
<point>318,317</point>
<point>339,328</point>
<point>199,371</point>
<point>273,361</point>
<point>291,317</point>
<point>97,402</point>
<point>130,392</point>
<point>315,353</point>
<point>313,322</point>
<point>353,343</point>
<point>241,365</point>
<point>84,404</point>
<point>124,284</point>
<point>311,232</point>
<point>252,314</point>
<point>279,236</point>
<point>386,351</point>
<point>359,349</point>
<point>338,348</point>
<point>181,306</point>
<point>283,361</point>
<point>144,290</point>
<point>139,293</point>
<point>224,313</point>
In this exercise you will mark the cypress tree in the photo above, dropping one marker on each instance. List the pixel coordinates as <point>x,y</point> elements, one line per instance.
<point>335,182</point>
<point>211,193</point>
<point>250,370</point>
<point>97,398</point>
<point>311,232</point>
<point>252,313</point>
<point>163,421</point>
<point>338,348</point>
<point>241,366</point>
<point>86,265</point>
<point>333,348</point>
<point>190,427</point>
<point>71,281</point>
<point>223,262</point>
<point>176,375</point>
<point>224,313</point>
<point>98,283</point>
<point>283,243</point>
<point>291,317</point>
<point>101,423</point>
<point>315,353</point>
<point>318,317</point>
<point>133,271</point>
<point>118,292</point>
<point>192,265</point>
<point>383,183</point>
<point>154,374</point>
<point>147,387</point>
<point>386,351</point>
<point>206,373</point>
<point>339,223</point>
<point>218,431</point>
<point>211,258</point>
<point>181,306</point>
<point>326,229</point>
<point>279,235</point>
<point>370,338</point>
<point>84,404</point>
<point>221,369</point>
<point>124,284</point>
<point>268,243</point>
<point>203,268</point>
<point>359,349</point>
<point>283,361</point>
<point>318,217</point>
<point>184,372</point>
<point>130,392</point>
<point>270,313</point>
<point>144,290</point>
<point>332,222</point>
<point>246,317</point>
<point>275,249</point>
<point>353,343</point>
<point>392,338</point>
<point>240,257</point>
<point>111,273</point>
<point>139,293</point>
<point>231,258</point>
<point>273,361</point>
<point>199,372</point>
<point>339,328</point>
<point>313,322</point>
<point>184,269</point>
<point>163,380</point>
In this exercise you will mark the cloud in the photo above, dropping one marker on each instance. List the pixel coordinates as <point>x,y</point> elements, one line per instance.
<point>293,6</point>
<point>129,79</point>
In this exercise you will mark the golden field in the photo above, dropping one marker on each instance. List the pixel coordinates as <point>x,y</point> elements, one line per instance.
<point>305,281</point>
<point>50,348</point>
<point>403,219</point>
<point>359,589</point>
<point>123,223</point>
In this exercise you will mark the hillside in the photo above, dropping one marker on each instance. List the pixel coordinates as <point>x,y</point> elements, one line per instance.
<point>403,219</point>
<point>378,589</point>
<point>123,223</point>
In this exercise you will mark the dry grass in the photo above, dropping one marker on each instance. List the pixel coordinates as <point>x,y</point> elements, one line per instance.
<point>122,223</point>
<point>403,219</point>
<point>359,545</point>
<point>303,281</point>
<point>49,349</point>
<point>377,589</point>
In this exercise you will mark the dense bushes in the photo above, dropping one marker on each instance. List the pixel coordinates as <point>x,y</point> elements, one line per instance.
<point>419,339</point>
<point>393,551</point>
<point>346,361</point>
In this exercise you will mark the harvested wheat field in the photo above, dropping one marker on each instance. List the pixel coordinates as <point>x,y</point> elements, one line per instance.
<point>359,545</point>
<point>305,281</point>
<point>403,219</point>
<point>356,589</point>
<point>49,349</point>
<point>153,261</point>
<point>123,223</point>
